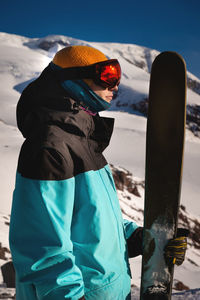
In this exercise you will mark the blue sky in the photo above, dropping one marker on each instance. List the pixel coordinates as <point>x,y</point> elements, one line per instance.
<point>163,25</point>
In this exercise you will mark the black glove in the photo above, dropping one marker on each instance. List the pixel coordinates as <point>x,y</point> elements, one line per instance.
<point>175,249</point>
<point>134,243</point>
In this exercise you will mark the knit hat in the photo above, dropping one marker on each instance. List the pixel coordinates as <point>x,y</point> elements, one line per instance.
<point>78,56</point>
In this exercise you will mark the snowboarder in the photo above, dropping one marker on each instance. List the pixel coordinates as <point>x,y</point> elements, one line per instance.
<point>67,236</point>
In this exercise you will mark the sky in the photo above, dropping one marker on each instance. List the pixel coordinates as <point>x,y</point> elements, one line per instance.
<point>172,25</point>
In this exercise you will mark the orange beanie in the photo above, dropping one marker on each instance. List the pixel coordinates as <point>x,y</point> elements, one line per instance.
<point>78,56</point>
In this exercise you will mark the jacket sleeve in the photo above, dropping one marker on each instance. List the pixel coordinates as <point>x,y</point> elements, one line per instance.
<point>129,227</point>
<point>40,241</point>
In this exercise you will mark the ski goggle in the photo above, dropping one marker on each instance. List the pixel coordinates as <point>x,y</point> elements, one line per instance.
<point>106,73</point>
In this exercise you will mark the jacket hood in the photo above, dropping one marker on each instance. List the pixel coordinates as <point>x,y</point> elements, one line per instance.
<point>45,102</point>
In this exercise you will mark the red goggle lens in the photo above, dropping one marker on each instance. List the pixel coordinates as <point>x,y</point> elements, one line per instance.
<point>109,73</point>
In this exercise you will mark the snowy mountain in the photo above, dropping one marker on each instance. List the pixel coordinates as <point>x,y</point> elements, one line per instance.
<point>22,59</point>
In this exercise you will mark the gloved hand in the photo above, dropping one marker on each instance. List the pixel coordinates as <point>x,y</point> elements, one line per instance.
<point>175,250</point>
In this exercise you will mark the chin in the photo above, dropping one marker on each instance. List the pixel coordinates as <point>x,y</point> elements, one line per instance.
<point>108,99</point>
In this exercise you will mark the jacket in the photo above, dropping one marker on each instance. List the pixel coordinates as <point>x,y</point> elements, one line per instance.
<point>67,235</point>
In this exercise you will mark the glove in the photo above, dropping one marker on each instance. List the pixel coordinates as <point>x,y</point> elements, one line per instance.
<point>175,250</point>
<point>134,243</point>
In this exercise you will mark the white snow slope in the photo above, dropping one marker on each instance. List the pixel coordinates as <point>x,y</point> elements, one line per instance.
<point>22,59</point>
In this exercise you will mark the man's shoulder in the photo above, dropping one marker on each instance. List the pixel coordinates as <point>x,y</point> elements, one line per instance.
<point>44,161</point>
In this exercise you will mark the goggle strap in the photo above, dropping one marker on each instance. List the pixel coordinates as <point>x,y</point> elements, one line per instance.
<point>75,73</point>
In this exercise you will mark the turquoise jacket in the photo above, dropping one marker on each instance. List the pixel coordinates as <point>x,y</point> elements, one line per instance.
<point>67,234</point>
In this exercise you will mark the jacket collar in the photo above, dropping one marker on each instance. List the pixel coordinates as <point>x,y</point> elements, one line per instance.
<point>78,122</point>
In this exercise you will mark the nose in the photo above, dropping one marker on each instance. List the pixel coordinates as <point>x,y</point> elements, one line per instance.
<point>114,89</point>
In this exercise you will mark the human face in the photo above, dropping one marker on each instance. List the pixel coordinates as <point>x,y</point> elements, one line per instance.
<point>105,93</point>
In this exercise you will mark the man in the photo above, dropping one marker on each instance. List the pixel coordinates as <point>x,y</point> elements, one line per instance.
<point>67,236</point>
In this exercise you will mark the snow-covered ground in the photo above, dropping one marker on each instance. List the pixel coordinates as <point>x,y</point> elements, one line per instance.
<point>22,59</point>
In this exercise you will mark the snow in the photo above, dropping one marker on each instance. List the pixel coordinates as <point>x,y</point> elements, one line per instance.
<point>21,61</point>
<point>193,98</point>
<point>129,134</point>
<point>9,149</point>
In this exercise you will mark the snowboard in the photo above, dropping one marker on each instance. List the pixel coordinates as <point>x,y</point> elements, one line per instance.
<point>163,172</point>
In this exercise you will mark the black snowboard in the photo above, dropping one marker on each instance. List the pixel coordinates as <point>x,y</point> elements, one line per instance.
<point>164,156</point>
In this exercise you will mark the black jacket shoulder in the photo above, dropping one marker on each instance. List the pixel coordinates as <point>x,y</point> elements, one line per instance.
<point>44,163</point>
